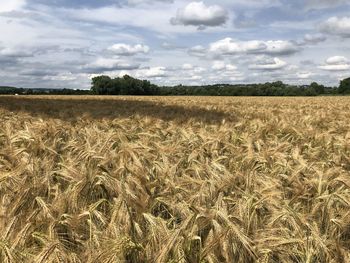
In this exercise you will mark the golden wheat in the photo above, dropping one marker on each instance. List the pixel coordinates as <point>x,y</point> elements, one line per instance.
<point>174,179</point>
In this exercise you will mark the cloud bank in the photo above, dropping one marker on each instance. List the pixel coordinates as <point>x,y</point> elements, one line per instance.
<point>64,43</point>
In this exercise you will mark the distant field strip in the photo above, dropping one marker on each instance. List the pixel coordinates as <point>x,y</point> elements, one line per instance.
<point>174,179</point>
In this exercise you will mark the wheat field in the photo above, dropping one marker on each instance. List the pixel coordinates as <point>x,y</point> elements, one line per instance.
<point>174,179</point>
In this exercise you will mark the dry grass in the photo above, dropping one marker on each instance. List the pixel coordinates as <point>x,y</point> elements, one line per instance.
<point>174,179</point>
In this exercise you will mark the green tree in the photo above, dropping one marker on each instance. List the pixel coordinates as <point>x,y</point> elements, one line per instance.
<point>101,85</point>
<point>319,89</point>
<point>344,87</point>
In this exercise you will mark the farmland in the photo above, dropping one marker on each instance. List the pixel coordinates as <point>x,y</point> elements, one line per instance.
<point>174,179</point>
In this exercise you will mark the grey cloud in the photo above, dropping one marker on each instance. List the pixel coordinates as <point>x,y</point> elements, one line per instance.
<point>95,3</point>
<point>46,49</point>
<point>83,51</point>
<point>314,38</point>
<point>307,62</point>
<point>142,59</point>
<point>104,65</point>
<point>10,57</point>
<point>7,61</point>
<point>137,2</point>
<point>40,72</point>
<point>15,53</point>
<point>77,3</point>
<point>269,64</point>
<point>171,46</point>
<point>321,4</point>
<point>198,51</point>
<point>18,14</point>
<point>241,21</point>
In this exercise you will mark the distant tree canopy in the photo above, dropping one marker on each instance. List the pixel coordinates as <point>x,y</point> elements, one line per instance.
<point>344,87</point>
<point>22,91</point>
<point>10,90</point>
<point>104,85</point>
<point>127,85</point>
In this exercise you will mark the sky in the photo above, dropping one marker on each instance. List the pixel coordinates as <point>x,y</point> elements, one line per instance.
<point>65,43</point>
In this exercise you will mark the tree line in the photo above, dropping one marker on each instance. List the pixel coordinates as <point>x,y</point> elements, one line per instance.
<point>6,90</point>
<point>127,85</point>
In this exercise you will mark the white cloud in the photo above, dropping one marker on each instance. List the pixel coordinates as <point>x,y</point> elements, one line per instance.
<point>304,75</point>
<point>229,46</point>
<point>269,64</point>
<point>230,67</point>
<point>198,14</point>
<point>337,60</point>
<point>226,46</point>
<point>218,65</point>
<point>196,77</point>
<point>335,67</point>
<point>337,26</point>
<point>221,65</point>
<point>129,50</point>
<point>199,70</point>
<point>11,5</point>
<point>253,46</point>
<point>187,66</point>
<point>336,63</point>
<point>152,72</point>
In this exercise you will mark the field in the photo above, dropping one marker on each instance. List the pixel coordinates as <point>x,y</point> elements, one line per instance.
<point>174,179</point>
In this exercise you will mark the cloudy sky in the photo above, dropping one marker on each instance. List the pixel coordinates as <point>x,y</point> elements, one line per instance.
<point>63,43</point>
